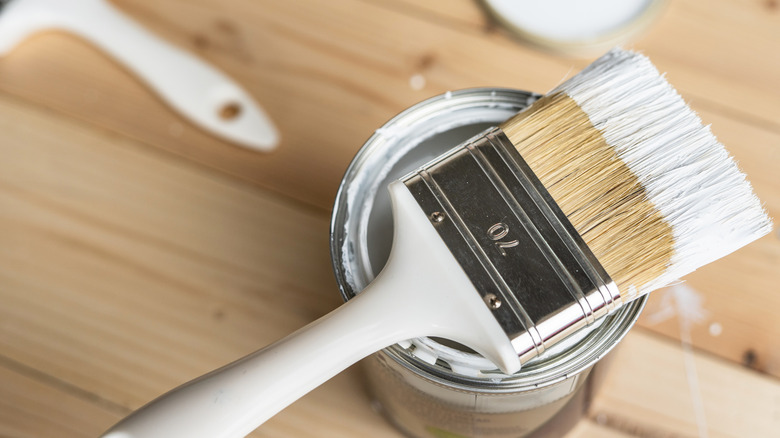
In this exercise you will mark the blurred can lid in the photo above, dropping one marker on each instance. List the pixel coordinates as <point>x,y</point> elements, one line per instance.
<point>575,27</point>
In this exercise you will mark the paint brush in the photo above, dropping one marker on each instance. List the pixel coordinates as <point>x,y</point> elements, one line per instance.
<point>190,86</point>
<point>607,188</point>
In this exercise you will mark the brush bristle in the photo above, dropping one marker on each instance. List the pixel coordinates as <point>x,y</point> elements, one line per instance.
<point>650,189</point>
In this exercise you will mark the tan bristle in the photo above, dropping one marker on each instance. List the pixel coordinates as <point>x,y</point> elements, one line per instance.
<point>596,190</point>
<point>648,187</point>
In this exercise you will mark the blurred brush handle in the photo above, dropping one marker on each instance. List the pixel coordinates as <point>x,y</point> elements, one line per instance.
<point>234,400</point>
<point>421,291</point>
<point>190,86</point>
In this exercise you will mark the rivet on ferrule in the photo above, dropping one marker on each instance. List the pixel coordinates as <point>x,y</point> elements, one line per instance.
<point>437,217</point>
<point>492,301</point>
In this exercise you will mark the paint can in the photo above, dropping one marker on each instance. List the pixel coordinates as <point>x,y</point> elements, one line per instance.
<point>430,388</point>
<point>574,27</point>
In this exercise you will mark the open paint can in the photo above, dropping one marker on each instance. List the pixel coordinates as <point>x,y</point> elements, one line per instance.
<point>575,27</point>
<point>431,388</point>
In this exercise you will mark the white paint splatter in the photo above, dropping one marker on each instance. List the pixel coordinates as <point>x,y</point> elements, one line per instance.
<point>386,132</point>
<point>716,329</point>
<point>425,354</point>
<point>682,301</point>
<point>687,304</point>
<point>417,82</point>
<point>493,103</point>
<point>693,380</point>
<point>405,344</point>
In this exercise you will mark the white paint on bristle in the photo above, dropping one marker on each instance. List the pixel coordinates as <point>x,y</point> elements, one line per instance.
<point>686,172</point>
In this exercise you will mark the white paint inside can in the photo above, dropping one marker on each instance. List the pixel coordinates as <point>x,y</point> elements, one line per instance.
<point>571,20</point>
<point>576,27</point>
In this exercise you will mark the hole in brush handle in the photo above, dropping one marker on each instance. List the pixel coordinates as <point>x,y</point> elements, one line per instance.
<point>229,111</point>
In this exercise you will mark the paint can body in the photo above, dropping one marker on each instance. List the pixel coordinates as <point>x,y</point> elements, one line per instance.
<point>430,388</point>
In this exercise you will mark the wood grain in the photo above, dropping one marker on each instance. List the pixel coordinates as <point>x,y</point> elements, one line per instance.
<point>137,252</point>
<point>126,272</point>
<point>591,429</point>
<point>292,57</point>
<point>734,401</point>
<point>34,405</point>
<point>721,55</point>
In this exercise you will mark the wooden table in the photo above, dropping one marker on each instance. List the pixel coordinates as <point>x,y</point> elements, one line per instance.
<point>137,252</point>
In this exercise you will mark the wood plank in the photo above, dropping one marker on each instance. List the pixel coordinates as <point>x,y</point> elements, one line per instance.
<point>730,72</point>
<point>31,406</point>
<point>648,393</point>
<point>591,429</point>
<point>327,79</point>
<point>126,272</point>
<point>450,13</point>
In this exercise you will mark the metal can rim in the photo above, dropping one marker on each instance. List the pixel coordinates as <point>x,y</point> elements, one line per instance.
<point>537,375</point>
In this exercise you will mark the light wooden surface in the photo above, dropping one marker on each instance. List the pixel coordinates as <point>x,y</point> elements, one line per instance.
<point>137,252</point>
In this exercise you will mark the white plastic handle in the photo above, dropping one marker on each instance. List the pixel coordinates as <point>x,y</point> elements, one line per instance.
<point>190,86</point>
<point>421,292</point>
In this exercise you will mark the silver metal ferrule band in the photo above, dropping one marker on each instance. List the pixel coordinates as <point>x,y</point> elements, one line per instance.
<point>520,251</point>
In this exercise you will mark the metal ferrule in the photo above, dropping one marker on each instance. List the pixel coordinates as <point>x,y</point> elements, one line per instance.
<point>520,251</point>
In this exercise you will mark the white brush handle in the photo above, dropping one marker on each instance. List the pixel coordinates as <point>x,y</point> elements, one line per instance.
<point>190,86</point>
<point>422,291</point>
